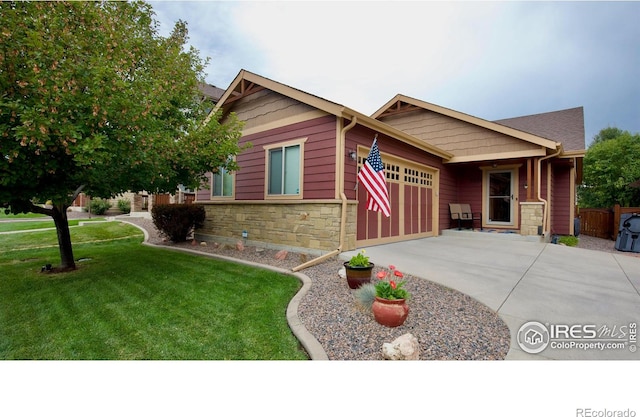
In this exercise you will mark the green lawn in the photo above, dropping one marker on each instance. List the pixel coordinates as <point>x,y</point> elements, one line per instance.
<point>35,224</point>
<point>128,301</point>
<point>21,216</point>
<point>79,236</point>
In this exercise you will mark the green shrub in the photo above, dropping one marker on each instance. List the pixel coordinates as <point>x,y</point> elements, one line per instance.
<point>365,295</point>
<point>177,221</point>
<point>124,206</point>
<point>98,206</point>
<point>568,240</point>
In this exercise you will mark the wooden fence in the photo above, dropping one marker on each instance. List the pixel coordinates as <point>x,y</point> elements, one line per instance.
<point>162,199</point>
<point>603,223</point>
<point>596,222</point>
<point>188,198</point>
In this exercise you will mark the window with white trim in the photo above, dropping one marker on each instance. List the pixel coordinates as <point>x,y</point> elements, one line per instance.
<point>222,183</point>
<point>284,169</point>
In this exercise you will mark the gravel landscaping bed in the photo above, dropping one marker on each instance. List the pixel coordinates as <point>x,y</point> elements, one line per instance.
<point>603,245</point>
<point>447,323</point>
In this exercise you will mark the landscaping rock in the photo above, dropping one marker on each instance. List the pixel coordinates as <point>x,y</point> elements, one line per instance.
<point>404,348</point>
<point>282,255</point>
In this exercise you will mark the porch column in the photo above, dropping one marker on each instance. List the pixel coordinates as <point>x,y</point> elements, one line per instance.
<point>532,184</point>
<point>531,214</point>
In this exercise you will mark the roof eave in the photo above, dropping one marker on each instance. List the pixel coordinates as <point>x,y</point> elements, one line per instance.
<point>498,156</point>
<point>573,154</point>
<point>309,99</point>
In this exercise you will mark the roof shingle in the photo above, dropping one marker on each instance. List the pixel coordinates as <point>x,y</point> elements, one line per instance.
<point>565,126</point>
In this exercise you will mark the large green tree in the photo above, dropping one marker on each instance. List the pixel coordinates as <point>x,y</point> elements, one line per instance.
<point>94,100</point>
<point>606,134</point>
<point>611,167</point>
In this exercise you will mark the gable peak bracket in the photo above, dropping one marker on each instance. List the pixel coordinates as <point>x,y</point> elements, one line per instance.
<point>398,107</point>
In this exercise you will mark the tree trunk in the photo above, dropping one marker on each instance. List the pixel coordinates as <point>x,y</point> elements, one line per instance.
<point>59,214</point>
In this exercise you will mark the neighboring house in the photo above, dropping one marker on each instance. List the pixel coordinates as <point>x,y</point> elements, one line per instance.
<point>297,188</point>
<point>211,93</point>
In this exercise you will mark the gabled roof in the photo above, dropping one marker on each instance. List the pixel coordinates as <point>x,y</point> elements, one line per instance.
<point>566,126</point>
<point>401,103</point>
<point>247,83</point>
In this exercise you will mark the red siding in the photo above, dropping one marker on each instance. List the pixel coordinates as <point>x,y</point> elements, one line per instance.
<point>467,189</point>
<point>319,162</point>
<point>363,136</point>
<point>448,194</point>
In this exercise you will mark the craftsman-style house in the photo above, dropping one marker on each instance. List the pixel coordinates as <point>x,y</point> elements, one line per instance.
<point>297,187</point>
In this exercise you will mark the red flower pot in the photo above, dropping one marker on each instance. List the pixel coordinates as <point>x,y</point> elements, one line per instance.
<point>390,313</point>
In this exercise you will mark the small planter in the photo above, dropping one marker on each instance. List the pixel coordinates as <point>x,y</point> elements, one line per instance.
<point>390,313</point>
<point>358,275</point>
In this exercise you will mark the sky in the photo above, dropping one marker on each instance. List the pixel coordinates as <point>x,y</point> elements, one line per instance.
<point>492,60</point>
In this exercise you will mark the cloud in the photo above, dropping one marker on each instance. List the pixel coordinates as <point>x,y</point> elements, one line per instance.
<point>490,59</point>
<point>375,48</point>
<point>212,30</point>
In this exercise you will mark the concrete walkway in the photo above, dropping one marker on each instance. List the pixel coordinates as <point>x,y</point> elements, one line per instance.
<point>522,281</point>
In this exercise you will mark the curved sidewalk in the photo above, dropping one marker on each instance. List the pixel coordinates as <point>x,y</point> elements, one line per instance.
<point>554,285</point>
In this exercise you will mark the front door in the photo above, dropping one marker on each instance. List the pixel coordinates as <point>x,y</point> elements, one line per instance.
<point>500,197</point>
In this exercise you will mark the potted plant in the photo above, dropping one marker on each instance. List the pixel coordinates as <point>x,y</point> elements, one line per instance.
<point>358,270</point>
<point>386,298</point>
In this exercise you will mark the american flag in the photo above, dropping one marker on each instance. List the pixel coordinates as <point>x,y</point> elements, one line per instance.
<point>372,176</point>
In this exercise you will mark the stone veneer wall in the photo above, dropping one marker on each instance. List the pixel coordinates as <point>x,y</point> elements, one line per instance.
<point>311,225</point>
<point>530,218</point>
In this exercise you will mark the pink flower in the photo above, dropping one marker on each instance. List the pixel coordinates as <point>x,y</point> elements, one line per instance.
<point>398,274</point>
<point>381,275</point>
<point>393,284</point>
<point>392,267</point>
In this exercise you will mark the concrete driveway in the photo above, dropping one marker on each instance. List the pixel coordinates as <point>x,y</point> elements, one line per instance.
<point>585,303</point>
